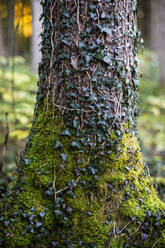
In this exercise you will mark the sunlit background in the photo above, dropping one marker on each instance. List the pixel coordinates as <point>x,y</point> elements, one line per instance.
<point>19,57</point>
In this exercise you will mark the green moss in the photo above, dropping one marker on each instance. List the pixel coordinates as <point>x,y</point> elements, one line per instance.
<point>159,180</point>
<point>127,174</point>
<point>18,239</point>
<point>89,218</point>
<point>117,243</point>
<point>87,211</point>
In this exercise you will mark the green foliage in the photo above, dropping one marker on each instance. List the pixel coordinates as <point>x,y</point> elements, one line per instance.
<point>17,91</point>
<point>17,96</point>
<point>152,117</point>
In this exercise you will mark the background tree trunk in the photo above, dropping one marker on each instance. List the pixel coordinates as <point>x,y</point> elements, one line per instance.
<point>158,33</point>
<point>2,45</point>
<point>144,21</point>
<point>10,30</point>
<point>81,182</point>
<point>36,39</point>
<point>151,22</point>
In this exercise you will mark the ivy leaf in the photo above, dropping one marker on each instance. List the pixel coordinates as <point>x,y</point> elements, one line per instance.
<point>27,161</point>
<point>54,244</point>
<point>67,72</point>
<point>32,209</point>
<point>134,5</point>
<point>92,7</point>
<point>42,214</point>
<point>58,145</point>
<point>94,79</point>
<point>39,97</point>
<point>81,45</point>
<point>38,224</point>
<point>66,132</point>
<point>92,15</point>
<point>118,132</point>
<point>127,168</point>
<point>98,41</point>
<point>66,14</point>
<point>75,124</point>
<point>103,15</point>
<point>94,97</point>
<point>75,145</point>
<point>108,59</point>
<point>88,59</point>
<point>31,217</point>
<point>80,243</point>
<point>107,31</point>
<point>58,212</point>
<point>69,44</point>
<point>6,223</point>
<point>63,156</point>
<point>144,236</point>
<point>69,210</point>
<point>74,94</point>
<point>136,82</point>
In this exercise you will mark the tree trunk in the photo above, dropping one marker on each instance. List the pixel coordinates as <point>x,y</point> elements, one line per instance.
<point>2,45</point>
<point>144,21</point>
<point>36,39</point>
<point>10,29</point>
<point>81,182</point>
<point>157,31</point>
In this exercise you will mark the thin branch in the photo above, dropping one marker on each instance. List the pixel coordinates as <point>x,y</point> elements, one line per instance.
<point>117,112</point>
<point>67,187</point>
<point>61,190</point>
<point>114,234</point>
<point>124,227</point>
<point>114,229</point>
<point>82,110</point>
<point>155,243</point>
<point>132,234</point>
<point>110,243</point>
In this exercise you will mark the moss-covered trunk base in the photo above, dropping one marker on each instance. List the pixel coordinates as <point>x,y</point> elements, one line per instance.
<point>63,198</point>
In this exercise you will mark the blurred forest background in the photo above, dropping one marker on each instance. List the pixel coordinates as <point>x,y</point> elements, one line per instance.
<point>19,57</point>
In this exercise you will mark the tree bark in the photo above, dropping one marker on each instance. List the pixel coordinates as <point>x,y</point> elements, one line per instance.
<point>145,21</point>
<point>157,31</point>
<point>36,39</point>
<point>2,45</point>
<point>10,28</point>
<point>82,182</point>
